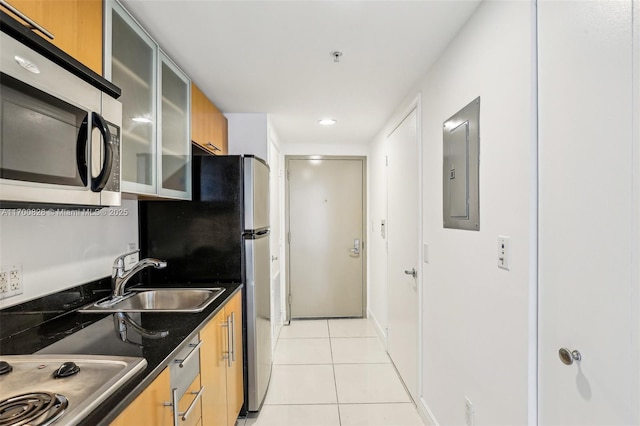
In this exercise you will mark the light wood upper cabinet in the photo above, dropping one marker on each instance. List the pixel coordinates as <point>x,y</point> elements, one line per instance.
<point>148,408</point>
<point>208,124</point>
<point>221,366</point>
<point>76,25</point>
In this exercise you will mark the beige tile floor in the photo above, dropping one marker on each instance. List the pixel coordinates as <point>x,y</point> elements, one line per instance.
<point>332,373</point>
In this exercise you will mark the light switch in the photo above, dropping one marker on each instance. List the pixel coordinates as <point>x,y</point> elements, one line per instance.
<point>504,252</point>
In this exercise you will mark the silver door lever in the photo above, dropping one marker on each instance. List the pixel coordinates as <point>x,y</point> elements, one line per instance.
<point>412,272</point>
<point>356,247</point>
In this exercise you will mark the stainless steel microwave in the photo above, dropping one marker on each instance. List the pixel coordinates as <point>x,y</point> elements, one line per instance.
<point>59,135</point>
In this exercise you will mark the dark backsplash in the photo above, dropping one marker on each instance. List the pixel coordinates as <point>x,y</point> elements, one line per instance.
<point>22,317</point>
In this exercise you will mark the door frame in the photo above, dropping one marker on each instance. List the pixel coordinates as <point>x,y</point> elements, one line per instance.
<point>363,250</point>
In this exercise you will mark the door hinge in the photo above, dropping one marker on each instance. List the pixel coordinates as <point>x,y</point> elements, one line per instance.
<point>289,237</point>
<point>288,175</point>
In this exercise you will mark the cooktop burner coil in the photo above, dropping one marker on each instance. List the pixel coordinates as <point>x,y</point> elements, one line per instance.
<point>35,408</point>
<point>5,368</point>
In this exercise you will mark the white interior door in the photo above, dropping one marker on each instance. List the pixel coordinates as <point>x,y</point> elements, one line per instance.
<point>588,241</point>
<point>326,207</point>
<point>403,236</point>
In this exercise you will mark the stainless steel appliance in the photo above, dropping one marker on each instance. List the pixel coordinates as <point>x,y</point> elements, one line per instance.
<point>59,389</point>
<point>60,135</point>
<point>221,236</point>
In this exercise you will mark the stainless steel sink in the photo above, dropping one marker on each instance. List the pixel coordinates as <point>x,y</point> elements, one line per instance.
<point>159,300</point>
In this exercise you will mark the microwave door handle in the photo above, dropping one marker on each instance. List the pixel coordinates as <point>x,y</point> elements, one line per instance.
<point>81,150</point>
<point>101,180</point>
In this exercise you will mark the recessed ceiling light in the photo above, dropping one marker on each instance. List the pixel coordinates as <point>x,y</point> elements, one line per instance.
<point>327,121</point>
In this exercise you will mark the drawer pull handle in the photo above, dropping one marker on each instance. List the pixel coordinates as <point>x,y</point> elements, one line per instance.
<point>186,359</point>
<point>174,404</point>
<point>227,356</point>
<point>232,345</point>
<point>33,24</point>
<point>198,395</point>
<point>215,148</point>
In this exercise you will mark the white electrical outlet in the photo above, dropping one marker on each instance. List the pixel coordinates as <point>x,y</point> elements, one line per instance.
<point>4,282</point>
<point>468,411</point>
<point>504,252</point>
<point>10,281</point>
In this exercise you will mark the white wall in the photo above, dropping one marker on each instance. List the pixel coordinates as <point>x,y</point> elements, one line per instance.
<point>476,338</point>
<point>58,252</point>
<point>377,212</point>
<point>248,134</point>
<point>324,149</point>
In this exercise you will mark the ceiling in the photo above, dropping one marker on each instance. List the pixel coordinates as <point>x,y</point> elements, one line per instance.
<point>275,57</point>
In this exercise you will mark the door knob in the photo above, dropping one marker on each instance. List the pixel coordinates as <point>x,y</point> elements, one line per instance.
<point>567,356</point>
<point>412,272</point>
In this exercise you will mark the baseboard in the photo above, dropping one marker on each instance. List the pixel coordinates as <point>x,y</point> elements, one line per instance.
<point>425,413</point>
<point>382,333</point>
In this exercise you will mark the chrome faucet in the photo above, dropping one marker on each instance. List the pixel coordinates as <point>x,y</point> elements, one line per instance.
<point>119,277</point>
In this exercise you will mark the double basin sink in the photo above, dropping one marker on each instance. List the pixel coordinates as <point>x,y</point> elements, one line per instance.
<point>158,300</point>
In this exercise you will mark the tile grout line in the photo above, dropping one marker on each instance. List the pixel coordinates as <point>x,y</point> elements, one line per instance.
<point>333,368</point>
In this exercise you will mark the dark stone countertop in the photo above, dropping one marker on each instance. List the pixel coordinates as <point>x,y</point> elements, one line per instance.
<point>95,334</point>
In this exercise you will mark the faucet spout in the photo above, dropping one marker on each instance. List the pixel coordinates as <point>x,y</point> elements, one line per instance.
<point>120,278</point>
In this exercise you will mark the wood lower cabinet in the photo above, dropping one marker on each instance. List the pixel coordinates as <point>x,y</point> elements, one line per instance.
<point>235,376</point>
<point>148,408</point>
<point>208,124</point>
<point>213,367</point>
<point>76,25</point>
<point>221,374</point>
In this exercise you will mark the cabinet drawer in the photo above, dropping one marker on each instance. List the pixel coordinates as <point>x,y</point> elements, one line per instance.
<point>195,415</point>
<point>186,366</point>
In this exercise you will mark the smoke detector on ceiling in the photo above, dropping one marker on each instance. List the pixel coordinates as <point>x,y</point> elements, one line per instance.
<point>336,55</point>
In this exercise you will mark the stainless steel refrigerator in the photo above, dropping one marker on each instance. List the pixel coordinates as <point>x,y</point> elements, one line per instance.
<point>221,236</point>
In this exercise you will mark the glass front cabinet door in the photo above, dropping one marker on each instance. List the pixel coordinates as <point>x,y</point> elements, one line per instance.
<point>156,144</point>
<point>174,141</point>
